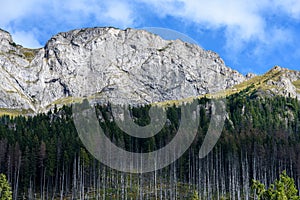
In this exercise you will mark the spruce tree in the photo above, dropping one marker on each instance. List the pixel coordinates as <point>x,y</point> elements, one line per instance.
<point>283,189</point>
<point>5,189</point>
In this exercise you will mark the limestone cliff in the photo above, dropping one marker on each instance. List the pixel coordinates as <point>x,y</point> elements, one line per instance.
<point>121,66</point>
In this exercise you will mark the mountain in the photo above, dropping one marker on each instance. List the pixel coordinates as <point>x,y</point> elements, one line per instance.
<point>277,81</point>
<point>121,66</point>
<point>44,155</point>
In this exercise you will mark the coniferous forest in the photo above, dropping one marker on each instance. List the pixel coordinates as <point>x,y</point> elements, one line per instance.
<point>43,157</point>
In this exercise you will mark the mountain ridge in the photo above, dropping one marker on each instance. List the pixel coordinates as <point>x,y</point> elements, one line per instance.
<point>122,66</point>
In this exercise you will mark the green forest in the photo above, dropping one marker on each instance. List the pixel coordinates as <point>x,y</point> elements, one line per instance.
<point>43,157</point>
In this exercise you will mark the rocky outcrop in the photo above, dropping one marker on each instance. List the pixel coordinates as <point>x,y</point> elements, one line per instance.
<point>250,76</point>
<point>6,42</point>
<point>16,73</point>
<point>282,82</point>
<point>122,66</point>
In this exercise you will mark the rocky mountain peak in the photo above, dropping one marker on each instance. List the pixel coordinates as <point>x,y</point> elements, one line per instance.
<point>5,36</point>
<point>122,66</point>
<point>136,60</point>
<point>108,64</point>
<point>250,76</point>
<point>277,68</point>
<point>277,81</point>
<point>6,42</point>
<point>284,82</point>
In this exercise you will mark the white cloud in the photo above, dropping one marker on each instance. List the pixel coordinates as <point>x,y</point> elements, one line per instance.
<point>19,17</point>
<point>26,39</point>
<point>240,16</point>
<point>291,7</point>
<point>119,13</point>
<point>243,21</point>
<point>14,10</point>
<point>85,7</point>
<point>78,12</point>
<point>230,14</point>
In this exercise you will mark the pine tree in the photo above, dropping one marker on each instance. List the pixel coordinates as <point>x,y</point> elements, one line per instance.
<point>195,196</point>
<point>283,189</point>
<point>5,189</point>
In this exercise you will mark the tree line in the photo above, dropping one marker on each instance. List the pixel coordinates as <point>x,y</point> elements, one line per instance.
<point>43,157</point>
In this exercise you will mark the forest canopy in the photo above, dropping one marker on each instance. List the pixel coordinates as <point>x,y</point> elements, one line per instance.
<point>42,156</point>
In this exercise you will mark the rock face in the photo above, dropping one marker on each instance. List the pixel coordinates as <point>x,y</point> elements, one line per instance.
<point>121,66</point>
<point>250,75</point>
<point>16,74</point>
<point>284,82</point>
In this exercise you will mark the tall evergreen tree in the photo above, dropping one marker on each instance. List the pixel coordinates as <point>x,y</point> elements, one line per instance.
<point>282,189</point>
<point>5,189</point>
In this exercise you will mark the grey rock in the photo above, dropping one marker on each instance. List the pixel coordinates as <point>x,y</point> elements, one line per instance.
<point>250,76</point>
<point>107,64</point>
<point>6,42</point>
<point>283,83</point>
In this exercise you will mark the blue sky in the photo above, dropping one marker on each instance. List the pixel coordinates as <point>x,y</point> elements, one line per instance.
<point>250,35</point>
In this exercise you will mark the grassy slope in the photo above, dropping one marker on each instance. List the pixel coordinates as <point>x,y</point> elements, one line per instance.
<point>297,85</point>
<point>256,83</point>
<point>15,112</point>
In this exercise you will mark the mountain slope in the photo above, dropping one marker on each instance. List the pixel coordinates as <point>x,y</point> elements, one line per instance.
<point>277,81</point>
<point>122,66</point>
